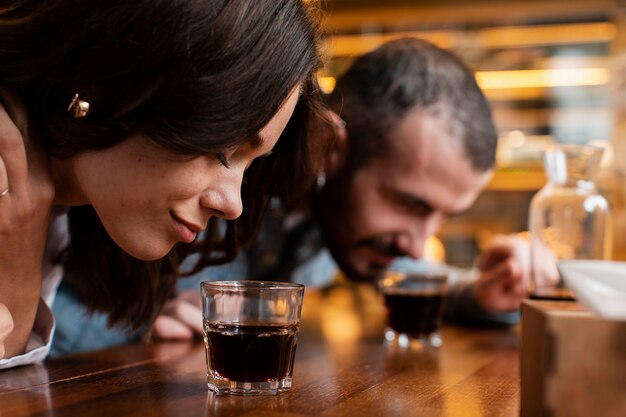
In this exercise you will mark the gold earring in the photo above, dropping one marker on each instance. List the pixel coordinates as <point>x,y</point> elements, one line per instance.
<point>78,108</point>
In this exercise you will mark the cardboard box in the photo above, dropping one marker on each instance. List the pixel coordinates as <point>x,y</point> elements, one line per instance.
<point>573,363</point>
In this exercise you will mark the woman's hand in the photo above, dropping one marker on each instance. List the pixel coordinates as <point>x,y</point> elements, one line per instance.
<point>6,327</point>
<point>25,205</point>
<point>181,318</point>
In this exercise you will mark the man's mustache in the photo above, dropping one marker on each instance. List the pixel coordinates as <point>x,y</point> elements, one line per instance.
<point>385,246</point>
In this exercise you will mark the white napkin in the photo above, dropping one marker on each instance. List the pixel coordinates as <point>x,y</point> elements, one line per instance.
<point>599,285</point>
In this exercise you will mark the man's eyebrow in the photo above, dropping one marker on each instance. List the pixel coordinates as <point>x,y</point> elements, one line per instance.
<point>411,200</point>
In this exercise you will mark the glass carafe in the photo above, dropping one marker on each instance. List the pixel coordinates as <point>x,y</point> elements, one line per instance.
<point>568,219</point>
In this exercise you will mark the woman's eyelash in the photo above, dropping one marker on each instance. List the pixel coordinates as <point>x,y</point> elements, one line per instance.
<point>222,158</point>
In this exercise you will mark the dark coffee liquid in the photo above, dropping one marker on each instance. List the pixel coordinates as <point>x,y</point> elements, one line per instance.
<point>414,314</point>
<point>250,352</point>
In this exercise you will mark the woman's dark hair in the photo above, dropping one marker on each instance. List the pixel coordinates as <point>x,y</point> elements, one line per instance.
<point>196,77</point>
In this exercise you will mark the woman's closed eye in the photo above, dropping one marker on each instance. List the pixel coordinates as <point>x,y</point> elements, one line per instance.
<point>247,153</point>
<point>221,157</point>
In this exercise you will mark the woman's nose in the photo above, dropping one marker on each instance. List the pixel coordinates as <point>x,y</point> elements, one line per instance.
<point>223,200</point>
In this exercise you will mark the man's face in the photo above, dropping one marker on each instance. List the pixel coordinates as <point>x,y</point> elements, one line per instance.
<point>389,207</point>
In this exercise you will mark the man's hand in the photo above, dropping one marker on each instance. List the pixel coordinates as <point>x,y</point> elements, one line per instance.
<point>181,318</point>
<point>504,270</point>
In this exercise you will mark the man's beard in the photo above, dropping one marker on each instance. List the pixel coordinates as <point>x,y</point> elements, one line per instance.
<point>383,245</point>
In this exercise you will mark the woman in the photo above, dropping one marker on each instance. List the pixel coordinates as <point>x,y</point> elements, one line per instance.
<point>140,117</point>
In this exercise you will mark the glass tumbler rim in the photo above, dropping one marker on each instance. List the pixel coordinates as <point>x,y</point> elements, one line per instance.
<point>242,285</point>
<point>393,277</point>
<point>573,147</point>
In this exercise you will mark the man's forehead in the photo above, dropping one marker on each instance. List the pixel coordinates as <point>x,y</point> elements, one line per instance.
<point>419,131</point>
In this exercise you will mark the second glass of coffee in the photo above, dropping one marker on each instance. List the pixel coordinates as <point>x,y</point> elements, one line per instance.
<point>415,304</point>
<point>250,333</point>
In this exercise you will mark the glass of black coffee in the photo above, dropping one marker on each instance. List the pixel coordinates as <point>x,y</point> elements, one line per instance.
<point>250,333</point>
<point>415,303</point>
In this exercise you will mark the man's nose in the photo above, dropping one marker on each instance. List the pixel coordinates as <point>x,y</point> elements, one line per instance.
<point>413,239</point>
<point>410,244</point>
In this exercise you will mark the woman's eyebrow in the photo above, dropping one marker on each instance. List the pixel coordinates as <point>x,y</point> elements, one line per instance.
<point>257,141</point>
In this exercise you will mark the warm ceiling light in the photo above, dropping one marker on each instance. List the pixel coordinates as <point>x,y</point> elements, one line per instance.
<point>348,45</point>
<point>547,34</point>
<point>490,80</point>
<point>498,37</point>
<point>327,84</point>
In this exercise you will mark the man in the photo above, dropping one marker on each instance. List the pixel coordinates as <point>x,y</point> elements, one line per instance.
<point>414,144</point>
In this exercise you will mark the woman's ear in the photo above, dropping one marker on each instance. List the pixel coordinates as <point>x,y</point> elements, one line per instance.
<point>338,152</point>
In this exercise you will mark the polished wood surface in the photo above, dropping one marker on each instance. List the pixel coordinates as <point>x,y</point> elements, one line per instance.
<point>342,368</point>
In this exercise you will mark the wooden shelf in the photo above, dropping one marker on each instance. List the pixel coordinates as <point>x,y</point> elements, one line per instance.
<point>517,181</point>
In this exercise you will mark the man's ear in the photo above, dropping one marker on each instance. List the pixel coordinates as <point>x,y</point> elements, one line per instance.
<point>338,152</point>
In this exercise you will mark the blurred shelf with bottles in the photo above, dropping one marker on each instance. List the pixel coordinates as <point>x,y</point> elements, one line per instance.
<point>554,71</point>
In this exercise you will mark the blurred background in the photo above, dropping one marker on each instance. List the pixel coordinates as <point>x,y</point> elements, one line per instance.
<point>554,71</point>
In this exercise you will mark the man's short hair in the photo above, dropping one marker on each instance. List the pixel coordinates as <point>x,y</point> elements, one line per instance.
<point>382,86</point>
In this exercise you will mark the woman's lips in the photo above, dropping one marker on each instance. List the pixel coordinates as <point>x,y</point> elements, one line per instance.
<point>186,232</point>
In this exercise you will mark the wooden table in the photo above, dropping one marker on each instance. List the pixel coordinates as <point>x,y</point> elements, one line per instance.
<point>342,368</point>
